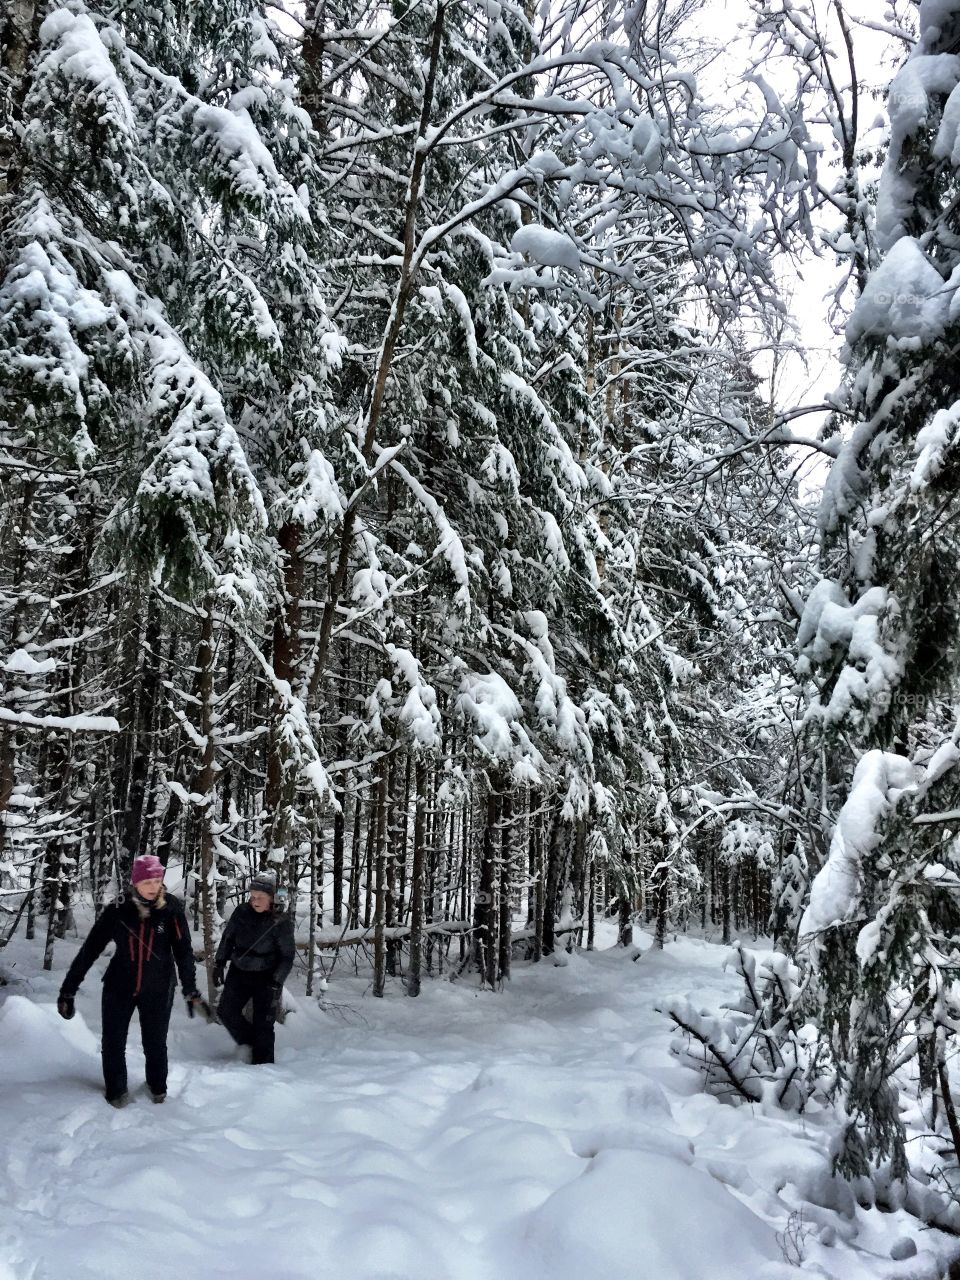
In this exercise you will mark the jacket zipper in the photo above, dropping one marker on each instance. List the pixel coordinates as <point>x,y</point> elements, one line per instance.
<point>136,990</point>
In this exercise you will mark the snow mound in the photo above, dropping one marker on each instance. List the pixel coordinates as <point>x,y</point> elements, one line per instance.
<point>546,1133</point>
<point>37,1044</point>
<point>679,1216</point>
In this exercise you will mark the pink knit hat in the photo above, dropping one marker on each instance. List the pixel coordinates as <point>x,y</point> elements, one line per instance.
<point>148,867</point>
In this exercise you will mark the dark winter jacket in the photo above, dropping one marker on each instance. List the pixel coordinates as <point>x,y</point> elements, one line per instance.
<point>258,942</point>
<point>149,938</point>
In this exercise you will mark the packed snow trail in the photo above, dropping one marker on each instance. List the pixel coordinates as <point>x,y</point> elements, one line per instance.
<point>544,1133</point>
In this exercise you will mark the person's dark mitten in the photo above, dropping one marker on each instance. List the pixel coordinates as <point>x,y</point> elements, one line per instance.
<point>276,1004</point>
<point>218,976</point>
<point>65,1006</point>
<point>197,1004</point>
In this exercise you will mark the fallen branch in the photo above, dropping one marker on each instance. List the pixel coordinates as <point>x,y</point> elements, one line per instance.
<point>712,1048</point>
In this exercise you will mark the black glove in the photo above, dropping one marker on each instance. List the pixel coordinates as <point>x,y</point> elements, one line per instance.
<point>65,1006</point>
<point>276,1004</point>
<point>218,976</point>
<point>195,1002</point>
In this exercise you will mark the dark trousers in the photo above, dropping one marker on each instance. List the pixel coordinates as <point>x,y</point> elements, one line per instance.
<point>258,989</point>
<point>117,1009</point>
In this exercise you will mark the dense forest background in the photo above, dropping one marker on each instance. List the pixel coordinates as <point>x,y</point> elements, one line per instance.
<point>398,490</point>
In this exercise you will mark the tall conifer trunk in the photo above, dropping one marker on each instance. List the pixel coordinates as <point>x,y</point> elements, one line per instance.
<point>205,784</point>
<point>417,878</point>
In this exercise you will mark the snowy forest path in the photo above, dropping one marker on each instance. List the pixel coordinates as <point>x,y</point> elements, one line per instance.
<point>542,1132</point>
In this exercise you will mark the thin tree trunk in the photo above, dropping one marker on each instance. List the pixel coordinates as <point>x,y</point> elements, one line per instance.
<point>353,897</point>
<point>556,856</point>
<point>205,786</point>
<point>625,914</point>
<point>8,733</point>
<point>368,866</point>
<point>395,851</point>
<point>661,898</point>
<point>506,885</point>
<point>31,927</point>
<point>430,900</point>
<point>591,906</point>
<point>140,727</point>
<point>340,817</point>
<point>380,891</point>
<point>578,876</point>
<point>281,781</point>
<point>64,849</point>
<point>316,842</point>
<point>18,39</point>
<point>538,877</point>
<point>391,336</point>
<point>464,874</point>
<point>483,929</point>
<point>339,821</point>
<point>417,878</point>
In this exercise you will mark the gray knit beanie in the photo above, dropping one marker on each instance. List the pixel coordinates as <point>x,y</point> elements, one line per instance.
<point>264,882</point>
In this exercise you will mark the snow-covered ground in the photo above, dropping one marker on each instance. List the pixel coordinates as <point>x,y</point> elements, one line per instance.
<point>545,1133</point>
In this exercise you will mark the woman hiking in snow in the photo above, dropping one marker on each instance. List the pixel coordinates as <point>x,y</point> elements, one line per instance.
<point>151,934</point>
<point>258,945</point>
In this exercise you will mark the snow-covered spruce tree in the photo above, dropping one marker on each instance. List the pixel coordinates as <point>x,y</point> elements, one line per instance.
<point>483,465</point>
<point>749,515</point>
<point>693,502</point>
<point>464,225</point>
<point>164,344</point>
<point>684,424</point>
<point>551,244</point>
<point>282,400</point>
<point>691,526</point>
<point>878,639</point>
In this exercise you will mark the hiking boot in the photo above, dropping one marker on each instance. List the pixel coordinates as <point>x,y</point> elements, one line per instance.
<point>157,1097</point>
<point>120,1101</point>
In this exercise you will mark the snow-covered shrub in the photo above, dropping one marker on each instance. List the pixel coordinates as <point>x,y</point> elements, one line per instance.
<point>759,1049</point>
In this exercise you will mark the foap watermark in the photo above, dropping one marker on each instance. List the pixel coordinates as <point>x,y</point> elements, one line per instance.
<point>897,700</point>
<point>890,298</point>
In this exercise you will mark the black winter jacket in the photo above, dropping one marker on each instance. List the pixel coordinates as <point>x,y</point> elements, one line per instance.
<point>149,937</point>
<point>258,942</point>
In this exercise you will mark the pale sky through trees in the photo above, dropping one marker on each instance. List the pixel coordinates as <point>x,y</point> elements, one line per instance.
<point>811,373</point>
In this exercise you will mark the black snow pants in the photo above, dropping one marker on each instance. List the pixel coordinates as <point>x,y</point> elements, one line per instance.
<point>117,1009</point>
<point>241,986</point>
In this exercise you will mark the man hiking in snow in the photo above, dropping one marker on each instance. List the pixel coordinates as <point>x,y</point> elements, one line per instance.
<point>151,933</point>
<point>258,944</point>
